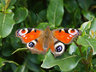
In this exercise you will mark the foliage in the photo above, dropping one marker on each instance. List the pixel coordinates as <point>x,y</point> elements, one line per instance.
<point>80,56</point>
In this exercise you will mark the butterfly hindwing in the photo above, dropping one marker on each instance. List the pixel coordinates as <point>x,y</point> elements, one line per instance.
<point>66,35</point>
<point>36,46</point>
<point>57,47</point>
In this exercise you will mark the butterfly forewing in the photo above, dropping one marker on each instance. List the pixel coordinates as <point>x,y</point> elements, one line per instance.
<point>66,35</point>
<point>28,34</point>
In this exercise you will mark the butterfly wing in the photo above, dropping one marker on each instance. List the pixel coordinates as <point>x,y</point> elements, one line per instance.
<point>36,46</point>
<point>66,35</point>
<point>57,47</point>
<point>60,38</point>
<point>28,34</point>
<point>31,37</point>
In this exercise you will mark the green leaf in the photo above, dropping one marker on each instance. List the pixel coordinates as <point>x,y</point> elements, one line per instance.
<point>85,26</point>
<point>13,2</point>
<point>72,48</point>
<point>22,68</point>
<point>3,2</point>
<point>42,25</point>
<point>0,7</point>
<point>88,15</point>
<point>20,14</point>
<point>14,67</point>
<point>41,17</point>
<point>76,17</point>
<point>82,41</point>
<point>32,62</point>
<point>11,62</point>
<point>6,24</point>
<point>84,4</point>
<point>94,62</point>
<point>0,42</point>
<point>93,26</point>
<point>3,61</point>
<point>19,49</point>
<point>88,42</point>
<point>70,5</point>
<point>6,48</point>
<point>14,41</point>
<point>66,63</point>
<point>55,12</point>
<point>32,18</point>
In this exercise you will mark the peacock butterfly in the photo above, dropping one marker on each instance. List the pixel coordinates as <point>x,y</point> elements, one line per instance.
<point>39,41</point>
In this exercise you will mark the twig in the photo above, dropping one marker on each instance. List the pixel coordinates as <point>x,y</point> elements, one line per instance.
<point>79,46</point>
<point>84,61</point>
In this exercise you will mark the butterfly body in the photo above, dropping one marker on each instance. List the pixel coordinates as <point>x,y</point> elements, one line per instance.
<point>39,41</point>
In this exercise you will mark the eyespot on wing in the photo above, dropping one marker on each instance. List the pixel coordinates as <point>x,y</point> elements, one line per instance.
<point>30,35</point>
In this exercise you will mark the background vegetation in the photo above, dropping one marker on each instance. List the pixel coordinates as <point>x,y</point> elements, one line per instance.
<point>80,56</point>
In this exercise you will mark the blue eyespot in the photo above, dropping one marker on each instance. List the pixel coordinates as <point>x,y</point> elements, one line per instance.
<point>31,44</point>
<point>59,48</point>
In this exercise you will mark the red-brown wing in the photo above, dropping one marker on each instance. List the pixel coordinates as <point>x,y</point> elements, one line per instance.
<point>66,35</point>
<point>57,47</point>
<point>37,46</point>
<point>28,34</point>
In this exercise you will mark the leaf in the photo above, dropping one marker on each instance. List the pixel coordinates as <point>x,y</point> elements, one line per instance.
<point>14,41</point>
<point>14,67</point>
<point>11,62</point>
<point>3,2</point>
<point>70,5</point>
<point>65,63</point>
<point>84,4</point>
<point>87,42</point>
<point>42,14</point>
<point>19,49</point>
<point>20,14</point>
<point>6,24</point>
<point>13,2</point>
<point>94,62</point>
<point>88,15</point>
<point>93,26</point>
<point>32,62</point>
<point>72,48</point>
<point>85,26</point>
<point>32,18</point>
<point>7,49</point>
<point>22,68</point>
<point>42,25</point>
<point>55,12</point>
<point>3,61</point>
<point>41,17</point>
<point>0,7</point>
<point>0,42</point>
<point>76,17</point>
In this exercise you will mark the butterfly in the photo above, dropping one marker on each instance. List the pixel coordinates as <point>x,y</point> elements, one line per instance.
<point>40,41</point>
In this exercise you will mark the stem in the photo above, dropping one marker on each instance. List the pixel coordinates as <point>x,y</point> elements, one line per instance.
<point>7,2</point>
<point>79,46</point>
<point>84,61</point>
